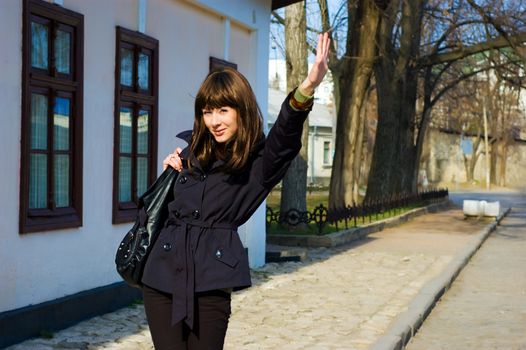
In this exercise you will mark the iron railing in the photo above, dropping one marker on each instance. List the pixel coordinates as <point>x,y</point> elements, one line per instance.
<point>320,216</point>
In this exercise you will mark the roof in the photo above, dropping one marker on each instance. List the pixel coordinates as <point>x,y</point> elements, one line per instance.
<point>321,115</point>
<point>276,4</point>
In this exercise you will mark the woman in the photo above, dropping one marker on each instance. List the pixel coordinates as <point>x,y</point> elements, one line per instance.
<point>226,172</point>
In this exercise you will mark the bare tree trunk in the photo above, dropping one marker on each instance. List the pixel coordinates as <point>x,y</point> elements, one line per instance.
<point>503,163</point>
<point>392,168</point>
<point>359,154</point>
<point>468,168</point>
<point>294,189</point>
<point>471,162</point>
<point>493,154</point>
<point>354,77</point>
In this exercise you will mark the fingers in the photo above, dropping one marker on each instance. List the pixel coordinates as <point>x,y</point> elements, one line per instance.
<point>319,69</point>
<point>324,46</point>
<point>173,160</point>
<point>319,46</point>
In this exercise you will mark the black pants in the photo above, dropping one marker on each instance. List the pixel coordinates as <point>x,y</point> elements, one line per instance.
<point>212,311</point>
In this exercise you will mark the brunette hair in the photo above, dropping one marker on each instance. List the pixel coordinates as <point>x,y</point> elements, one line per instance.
<point>227,88</point>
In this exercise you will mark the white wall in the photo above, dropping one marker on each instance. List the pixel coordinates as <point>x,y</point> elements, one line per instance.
<point>10,100</point>
<point>318,171</point>
<point>38,267</point>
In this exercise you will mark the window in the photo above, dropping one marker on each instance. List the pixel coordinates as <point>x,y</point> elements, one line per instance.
<point>217,63</point>
<point>135,149</point>
<point>326,153</point>
<point>51,155</point>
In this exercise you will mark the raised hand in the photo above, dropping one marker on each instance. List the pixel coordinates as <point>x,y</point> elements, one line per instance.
<point>320,66</point>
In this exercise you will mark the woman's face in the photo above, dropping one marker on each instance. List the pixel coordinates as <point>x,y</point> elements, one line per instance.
<point>221,122</point>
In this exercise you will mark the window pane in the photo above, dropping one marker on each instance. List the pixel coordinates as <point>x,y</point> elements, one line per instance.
<point>144,70</point>
<point>62,51</point>
<point>39,107</point>
<point>39,45</point>
<point>125,130</point>
<point>326,152</point>
<point>126,67</point>
<point>142,175</point>
<point>61,124</point>
<point>61,174</point>
<point>142,132</point>
<point>124,179</point>
<point>38,181</point>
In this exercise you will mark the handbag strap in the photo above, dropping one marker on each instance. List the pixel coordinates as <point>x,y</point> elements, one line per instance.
<point>143,218</point>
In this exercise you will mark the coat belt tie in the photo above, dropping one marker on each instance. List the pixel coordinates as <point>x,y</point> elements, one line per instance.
<point>183,297</point>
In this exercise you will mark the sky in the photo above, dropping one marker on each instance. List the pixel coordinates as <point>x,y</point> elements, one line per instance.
<point>277,37</point>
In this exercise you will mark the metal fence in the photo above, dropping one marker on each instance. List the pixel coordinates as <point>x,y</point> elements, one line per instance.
<point>320,216</point>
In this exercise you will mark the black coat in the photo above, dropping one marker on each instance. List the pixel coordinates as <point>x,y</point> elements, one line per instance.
<point>199,248</point>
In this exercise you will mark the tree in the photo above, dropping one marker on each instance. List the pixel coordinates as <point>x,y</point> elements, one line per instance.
<point>456,33</point>
<point>351,73</point>
<point>294,185</point>
<point>417,50</point>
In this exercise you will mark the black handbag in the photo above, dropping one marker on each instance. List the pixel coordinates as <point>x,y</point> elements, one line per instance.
<point>152,212</point>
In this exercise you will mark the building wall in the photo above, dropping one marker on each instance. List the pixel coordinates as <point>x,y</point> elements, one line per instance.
<point>444,162</point>
<point>43,266</point>
<point>319,172</point>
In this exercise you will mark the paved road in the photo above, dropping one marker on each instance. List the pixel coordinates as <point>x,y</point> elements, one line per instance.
<point>486,306</point>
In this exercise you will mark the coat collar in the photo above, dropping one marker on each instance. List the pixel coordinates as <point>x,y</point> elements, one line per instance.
<point>186,154</point>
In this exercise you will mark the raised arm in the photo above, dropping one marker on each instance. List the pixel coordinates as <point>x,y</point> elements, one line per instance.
<point>284,139</point>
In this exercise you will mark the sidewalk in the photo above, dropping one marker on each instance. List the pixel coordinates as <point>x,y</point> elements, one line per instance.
<point>347,297</point>
<point>486,306</point>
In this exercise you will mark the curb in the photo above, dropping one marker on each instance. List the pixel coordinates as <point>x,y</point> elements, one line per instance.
<point>406,325</point>
<point>348,235</point>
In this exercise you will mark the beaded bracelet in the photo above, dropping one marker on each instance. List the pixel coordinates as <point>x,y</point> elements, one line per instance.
<point>300,106</point>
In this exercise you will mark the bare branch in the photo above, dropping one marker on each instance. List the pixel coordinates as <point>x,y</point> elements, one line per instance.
<point>495,43</point>
<point>511,40</point>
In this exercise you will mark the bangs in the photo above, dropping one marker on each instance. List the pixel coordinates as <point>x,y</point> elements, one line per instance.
<point>216,92</point>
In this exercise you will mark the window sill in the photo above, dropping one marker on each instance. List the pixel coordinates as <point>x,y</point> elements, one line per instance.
<point>50,222</point>
<point>123,216</point>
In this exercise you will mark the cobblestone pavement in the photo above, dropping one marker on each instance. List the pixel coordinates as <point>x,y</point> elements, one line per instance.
<point>486,305</point>
<point>340,298</point>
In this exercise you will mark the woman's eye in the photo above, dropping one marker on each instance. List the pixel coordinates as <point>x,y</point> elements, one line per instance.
<point>224,110</point>
<point>207,112</point>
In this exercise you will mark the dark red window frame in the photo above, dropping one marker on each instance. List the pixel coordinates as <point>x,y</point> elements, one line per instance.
<point>52,84</point>
<point>137,99</point>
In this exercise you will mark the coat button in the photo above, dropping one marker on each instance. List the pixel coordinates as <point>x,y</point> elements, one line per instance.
<point>219,254</point>
<point>182,179</point>
<point>176,213</point>
<point>167,247</point>
<point>196,214</point>
<point>203,177</point>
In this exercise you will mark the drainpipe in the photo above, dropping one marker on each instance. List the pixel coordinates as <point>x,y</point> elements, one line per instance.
<point>141,16</point>
<point>226,40</point>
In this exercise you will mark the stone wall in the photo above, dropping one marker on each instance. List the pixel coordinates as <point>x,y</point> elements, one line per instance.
<point>443,160</point>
